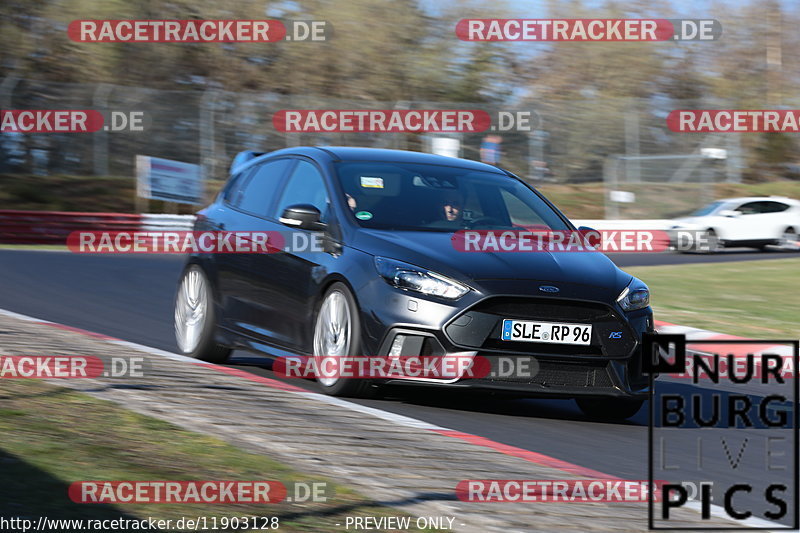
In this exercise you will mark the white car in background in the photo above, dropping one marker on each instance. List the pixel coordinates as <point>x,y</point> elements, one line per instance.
<point>755,222</point>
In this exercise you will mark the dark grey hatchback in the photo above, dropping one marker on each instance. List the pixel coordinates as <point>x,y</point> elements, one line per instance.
<point>387,279</point>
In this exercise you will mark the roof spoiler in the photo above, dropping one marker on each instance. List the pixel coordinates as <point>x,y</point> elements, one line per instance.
<point>243,157</point>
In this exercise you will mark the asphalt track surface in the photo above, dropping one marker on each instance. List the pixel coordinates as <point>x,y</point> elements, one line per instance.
<point>130,297</point>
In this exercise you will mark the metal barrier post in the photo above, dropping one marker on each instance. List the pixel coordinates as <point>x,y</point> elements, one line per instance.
<point>100,138</point>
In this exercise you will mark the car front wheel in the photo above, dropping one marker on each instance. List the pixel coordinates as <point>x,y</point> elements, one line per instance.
<point>337,334</point>
<point>713,244</point>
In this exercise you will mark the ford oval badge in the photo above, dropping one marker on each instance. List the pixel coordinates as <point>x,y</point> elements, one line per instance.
<point>548,288</point>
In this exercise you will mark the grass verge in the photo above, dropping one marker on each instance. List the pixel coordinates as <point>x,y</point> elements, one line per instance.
<point>53,436</point>
<point>757,299</point>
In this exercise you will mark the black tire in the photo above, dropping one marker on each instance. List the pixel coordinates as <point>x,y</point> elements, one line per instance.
<point>714,244</point>
<point>609,408</point>
<point>349,387</point>
<point>207,348</point>
<point>789,241</point>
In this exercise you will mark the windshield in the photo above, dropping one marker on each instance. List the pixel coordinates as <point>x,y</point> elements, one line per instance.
<point>423,197</point>
<point>707,210</point>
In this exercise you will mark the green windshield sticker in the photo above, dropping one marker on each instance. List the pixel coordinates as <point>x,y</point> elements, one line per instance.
<point>363,215</point>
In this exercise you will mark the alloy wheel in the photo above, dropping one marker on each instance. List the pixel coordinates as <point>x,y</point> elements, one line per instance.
<point>191,310</point>
<point>332,332</point>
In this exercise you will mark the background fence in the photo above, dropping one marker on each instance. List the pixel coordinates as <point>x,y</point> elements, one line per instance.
<point>622,142</point>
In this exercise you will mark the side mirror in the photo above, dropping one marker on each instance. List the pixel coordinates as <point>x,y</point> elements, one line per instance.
<point>303,216</point>
<point>729,213</point>
<point>591,237</point>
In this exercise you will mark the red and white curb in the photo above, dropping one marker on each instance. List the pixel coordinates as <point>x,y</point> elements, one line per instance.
<point>739,350</point>
<point>513,451</point>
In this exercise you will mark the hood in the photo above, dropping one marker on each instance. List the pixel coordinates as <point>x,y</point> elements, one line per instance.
<point>691,221</point>
<point>435,251</point>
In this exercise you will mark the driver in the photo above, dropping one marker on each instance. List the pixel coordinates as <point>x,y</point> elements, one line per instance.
<point>453,206</point>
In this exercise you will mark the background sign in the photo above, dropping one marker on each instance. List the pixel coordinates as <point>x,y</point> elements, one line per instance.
<point>171,181</point>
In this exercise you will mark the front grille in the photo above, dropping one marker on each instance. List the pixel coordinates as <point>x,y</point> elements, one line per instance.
<point>479,327</point>
<point>493,342</point>
<point>552,374</point>
<point>542,309</point>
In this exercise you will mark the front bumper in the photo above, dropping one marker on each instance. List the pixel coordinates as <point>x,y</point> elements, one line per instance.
<point>610,366</point>
<point>554,378</point>
<point>685,237</point>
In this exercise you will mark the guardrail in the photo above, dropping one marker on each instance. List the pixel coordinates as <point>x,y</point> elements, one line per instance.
<point>52,227</point>
<point>159,222</point>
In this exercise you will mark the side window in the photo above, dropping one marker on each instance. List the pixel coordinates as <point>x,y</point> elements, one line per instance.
<point>232,192</point>
<point>258,193</point>
<point>750,208</point>
<point>775,207</point>
<point>305,186</point>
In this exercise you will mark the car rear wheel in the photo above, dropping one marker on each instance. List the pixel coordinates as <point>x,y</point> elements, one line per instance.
<point>609,408</point>
<point>789,240</point>
<point>337,334</point>
<point>195,323</point>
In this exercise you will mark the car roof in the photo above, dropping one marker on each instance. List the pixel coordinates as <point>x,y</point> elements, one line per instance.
<point>350,153</point>
<point>742,199</point>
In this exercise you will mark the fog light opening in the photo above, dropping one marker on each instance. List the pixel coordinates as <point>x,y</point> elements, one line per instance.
<point>397,346</point>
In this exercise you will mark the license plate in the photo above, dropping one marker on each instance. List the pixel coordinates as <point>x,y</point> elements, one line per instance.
<point>550,332</point>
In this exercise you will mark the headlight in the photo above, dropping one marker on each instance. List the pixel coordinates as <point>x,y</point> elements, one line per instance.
<point>635,296</point>
<point>411,278</point>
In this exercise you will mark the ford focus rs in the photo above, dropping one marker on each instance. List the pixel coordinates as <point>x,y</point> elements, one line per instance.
<point>387,280</point>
